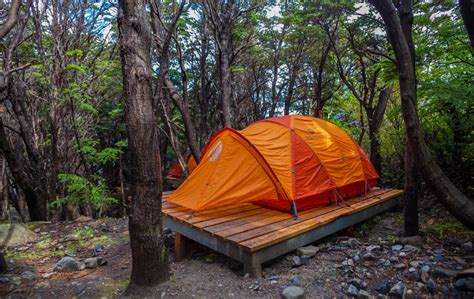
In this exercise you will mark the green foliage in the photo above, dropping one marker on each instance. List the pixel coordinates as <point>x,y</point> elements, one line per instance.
<point>442,230</point>
<point>80,189</point>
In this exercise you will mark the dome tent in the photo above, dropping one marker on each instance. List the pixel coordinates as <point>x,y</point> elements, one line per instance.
<point>289,163</point>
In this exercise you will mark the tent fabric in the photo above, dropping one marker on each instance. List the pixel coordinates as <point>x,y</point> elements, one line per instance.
<point>176,171</point>
<point>278,162</point>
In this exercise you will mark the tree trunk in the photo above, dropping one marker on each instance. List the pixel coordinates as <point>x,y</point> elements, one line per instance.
<point>467,13</point>
<point>149,255</point>
<point>412,180</point>
<point>452,198</point>
<point>226,81</point>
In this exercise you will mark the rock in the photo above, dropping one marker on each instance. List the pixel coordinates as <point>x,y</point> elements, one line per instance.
<point>47,275</point>
<point>459,260</point>
<point>431,286</point>
<point>467,246</point>
<point>167,231</point>
<point>99,248</point>
<point>424,276</point>
<point>397,247</point>
<point>353,242</point>
<point>356,258</point>
<point>415,264</point>
<point>363,294</point>
<point>412,269</point>
<point>460,284</point>
<point>382,287</point>
<point>307,250</point>
<point>397,290</point>
<point>352,291</point>
<point>470,284</point>
<point>442,272</point>
<point>305,260</point>
<point>355,282</point>
<point>295,281</point>
<point>368,256</point>
<point>28,275</point>
<point>402,254</point>
<point>15,234</point>
<point>438,258</point>
<point>348,262</point>
<point>410,248</point>
<point>16,280</point>
<point>467,273</point>
<point>66,264</point>
<point>246,275</point>
<point>393,259</point>
<point>425,268</point>
<point>37,230</point>
<point>295,261</point>
<point>372,248</point>
<point>91,263</point>
<point>399,266</point>
<point>415,241</point>
<point>68,238</point>
<point>292,292</point>
<point>386,263</point>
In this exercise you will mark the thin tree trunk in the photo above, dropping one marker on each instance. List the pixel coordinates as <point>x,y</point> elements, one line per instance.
<point>448,194</point>
<point>149,255</point>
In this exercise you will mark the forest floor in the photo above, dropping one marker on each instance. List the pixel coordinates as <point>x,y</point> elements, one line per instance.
<point>370,260</point>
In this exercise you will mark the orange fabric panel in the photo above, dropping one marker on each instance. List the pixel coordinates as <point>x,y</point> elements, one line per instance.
<point>273,142</point>
<point>191,164</point>
<point>334,147</point>
<point>228,174</point>
<point>311,177</point>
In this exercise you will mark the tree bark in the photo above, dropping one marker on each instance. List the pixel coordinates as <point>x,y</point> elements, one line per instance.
<point>11,19</point>
<point>448,194</point>
<point>467,12</point>
<point>149,255</point>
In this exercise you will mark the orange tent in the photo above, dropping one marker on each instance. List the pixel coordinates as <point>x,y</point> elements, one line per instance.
<point>289,163</point>
<point>176,171</point>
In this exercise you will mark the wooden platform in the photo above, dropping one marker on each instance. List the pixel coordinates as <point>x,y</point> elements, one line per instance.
<point>252,234</point>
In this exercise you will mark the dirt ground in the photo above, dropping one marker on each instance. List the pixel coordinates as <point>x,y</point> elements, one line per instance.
<point>208,274</point>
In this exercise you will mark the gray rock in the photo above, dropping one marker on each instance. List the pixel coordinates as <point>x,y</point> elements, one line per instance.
<point>386,263</point>
<point>399,266</point>
<point>438,258</point>
<point>412,269</point>
<point>397,247</point>
<point>91,263</point>
<point>70,238</point>
<point>425,276</point>
<point>15,234</point>
<point>348,262</point>
<point>28,275</point>
<point>66,264</point>
<point>372,248</point>
<point>382,287</point>
<point>470,284</point>
<point>394,259</point>
<point>307,250</point>
<point>397,290</point>
<point>467,246</point>
<point>415,264</point>
<point>467,273</point>
<point>292,292</point>
<point>47,275</point>
<point>431,286</point>
<point>442,272</point>
<point>352,290</point>
<point>355,282</point>
<point>295,261</point>
<point>410,248</point>
<point>295,281</point>
<point>425,268</point>
<point>353,242</point>
<point>363,294</point>
<point>356,258</point>
<point>368,256</point>
<point>415,241</point>
<point>460,284</point>
<point>459,260</point>
<point>305,260</point>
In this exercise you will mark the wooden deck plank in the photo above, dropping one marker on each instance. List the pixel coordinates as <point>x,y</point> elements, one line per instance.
<point>268,225</point>
<point>243,221</point>
<point>290,231</point>
<point>226,218</point>
<point>208,215</point>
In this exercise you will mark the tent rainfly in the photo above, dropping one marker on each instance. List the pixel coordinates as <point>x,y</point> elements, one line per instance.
<point>288,163</point>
